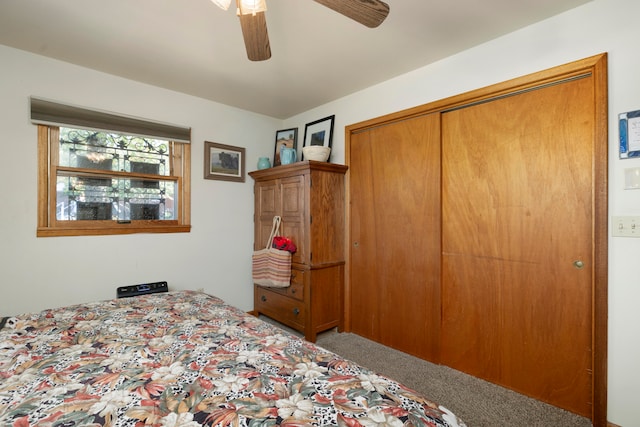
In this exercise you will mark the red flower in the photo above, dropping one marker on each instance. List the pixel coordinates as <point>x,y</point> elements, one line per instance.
<point>284,244</point>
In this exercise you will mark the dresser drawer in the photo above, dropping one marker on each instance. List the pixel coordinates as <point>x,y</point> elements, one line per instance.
<point>280,307</point>
<point>296,289</point>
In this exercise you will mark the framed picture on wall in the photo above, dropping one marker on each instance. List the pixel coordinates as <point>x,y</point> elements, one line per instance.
<point>629,124</point>
<point>223,162</point>
<point>284,138</point>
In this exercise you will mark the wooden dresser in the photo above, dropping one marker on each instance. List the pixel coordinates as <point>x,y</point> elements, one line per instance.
<point>310,198</point>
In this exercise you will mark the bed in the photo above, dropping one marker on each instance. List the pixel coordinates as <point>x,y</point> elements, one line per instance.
<point>186,359</point>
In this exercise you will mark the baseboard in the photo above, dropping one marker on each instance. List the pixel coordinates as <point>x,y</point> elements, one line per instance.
<point>612,424</point>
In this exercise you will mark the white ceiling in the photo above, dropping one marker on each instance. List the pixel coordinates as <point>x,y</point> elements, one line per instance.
<point>194,47</point>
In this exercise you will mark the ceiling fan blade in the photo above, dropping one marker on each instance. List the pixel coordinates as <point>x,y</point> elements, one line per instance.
<point>370,13</point>
<point>256,38</point>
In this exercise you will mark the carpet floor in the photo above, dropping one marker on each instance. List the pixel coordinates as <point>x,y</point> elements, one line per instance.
<point>477,402</point>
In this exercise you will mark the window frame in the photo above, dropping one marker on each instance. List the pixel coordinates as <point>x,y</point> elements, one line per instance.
<point>49,226</point>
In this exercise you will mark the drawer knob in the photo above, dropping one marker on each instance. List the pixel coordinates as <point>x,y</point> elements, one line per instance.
<point>296,311</point>
<point>263,298</point>
<point>293,291</point>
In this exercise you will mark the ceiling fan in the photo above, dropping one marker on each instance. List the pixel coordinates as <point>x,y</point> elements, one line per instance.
<point>370,13</point>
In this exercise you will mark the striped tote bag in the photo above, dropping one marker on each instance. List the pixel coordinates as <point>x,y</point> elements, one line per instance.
<point>270,266</point>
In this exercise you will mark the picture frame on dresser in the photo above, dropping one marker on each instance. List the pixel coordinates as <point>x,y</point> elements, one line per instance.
<point>224,162</point>
<point>287,138</point>
<point>319,132</point>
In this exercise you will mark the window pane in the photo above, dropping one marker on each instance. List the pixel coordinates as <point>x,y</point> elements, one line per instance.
<point>144,212</point>
<point>87,149</point>
<point>82,198</point>
<point>146,168</point>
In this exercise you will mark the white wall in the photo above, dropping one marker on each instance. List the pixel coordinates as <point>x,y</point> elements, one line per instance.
<point>216,254</point>
<point>600,26</point>
<point>38,273</point>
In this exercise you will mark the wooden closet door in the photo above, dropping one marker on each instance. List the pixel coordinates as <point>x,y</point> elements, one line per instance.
<point>518,242</point>
<point>395,235</point>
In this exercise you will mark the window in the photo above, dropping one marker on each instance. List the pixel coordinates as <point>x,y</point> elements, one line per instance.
<point>95,182</point>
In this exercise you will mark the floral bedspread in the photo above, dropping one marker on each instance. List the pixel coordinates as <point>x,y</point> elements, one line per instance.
<point>186,359</point>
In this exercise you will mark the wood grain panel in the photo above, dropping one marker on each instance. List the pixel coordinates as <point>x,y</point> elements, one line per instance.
<point>326,298</point>
<point>517,214</point>
<point>293,215</point>
<point>395,233</point>
<point>364,302</point>
<point>466,298</point>
<point>289,311</point>
<point>327,218</point>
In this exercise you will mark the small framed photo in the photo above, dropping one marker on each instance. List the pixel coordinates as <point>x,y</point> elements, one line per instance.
<point>629,124</point>
<point>287,138</point>
<point>319,132</point>
<point>223,162</point>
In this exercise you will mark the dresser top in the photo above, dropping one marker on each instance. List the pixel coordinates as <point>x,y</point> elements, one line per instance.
<point>298,168</point>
